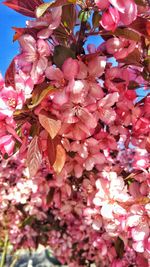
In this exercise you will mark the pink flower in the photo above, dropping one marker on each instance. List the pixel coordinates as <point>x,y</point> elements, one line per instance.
<point>54,74</point>
<point>111,77</point>
<point>80,119</point>
<point>110,19</point>
<point>9,101</point>
<point>120,47</point>
<point>24,84</point>
<point>49,22</point>
<point>35,55</point>
<point>106,113</point>
<point>127,10</point>
<point>7,144</point>
<point>142,126</point>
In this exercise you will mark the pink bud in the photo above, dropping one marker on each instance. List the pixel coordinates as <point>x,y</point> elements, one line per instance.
<point>129,14</point>
<point>113,45</point>
<point>110,19</point>
<point>96,66</point>
<point>127,10</point>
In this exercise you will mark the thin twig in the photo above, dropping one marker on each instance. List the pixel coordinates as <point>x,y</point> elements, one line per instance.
<point>4,251</point>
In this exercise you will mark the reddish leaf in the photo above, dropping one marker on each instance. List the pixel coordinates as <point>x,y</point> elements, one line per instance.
<point>25,7</point>
<point>50,195</point>
<point>69,16</point>
<point>139,25</point>
<point>60,159</point>
<point>148,27</point>
<point>56,153</point>
<point>34,157</point>
<point>133,58</point>
<point>20,31</point>
<point>10,75</point>
<point>141,2</point>
<point>50,125</point>
<point>128,34</point>
<point>51,149</point>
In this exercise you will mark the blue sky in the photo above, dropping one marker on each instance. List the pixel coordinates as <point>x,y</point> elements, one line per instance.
<point>8,49</point>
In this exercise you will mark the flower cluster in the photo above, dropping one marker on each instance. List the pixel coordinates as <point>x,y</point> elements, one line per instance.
<point>74,136</point>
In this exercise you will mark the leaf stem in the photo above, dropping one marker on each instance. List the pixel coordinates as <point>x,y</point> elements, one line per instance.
<point>4,251</point>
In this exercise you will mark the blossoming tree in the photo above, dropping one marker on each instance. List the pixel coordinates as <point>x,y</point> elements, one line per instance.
<point>74,135</point>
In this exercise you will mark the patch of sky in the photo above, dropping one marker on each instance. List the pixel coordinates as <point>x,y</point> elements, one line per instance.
<point>8,48</point>
<point>141,92</point>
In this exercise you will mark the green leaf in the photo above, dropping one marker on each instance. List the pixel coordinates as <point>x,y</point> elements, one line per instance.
<point>84,15</point>
<point>96,19</point>
<point>119,247</point>
<point>39,93</point>
<point>61,53</point>
<point>28,221</point>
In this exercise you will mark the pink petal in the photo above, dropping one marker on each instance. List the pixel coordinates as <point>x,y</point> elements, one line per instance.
<point>54,74</point>
<point>109,100</point>
<point>70,68</point>
<point>87,118</point>
<point>43,48</point>
<point>130,14</point>
<point>96,66</point>
<point>140,232</point>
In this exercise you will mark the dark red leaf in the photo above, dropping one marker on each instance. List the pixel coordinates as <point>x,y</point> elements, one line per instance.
<point>51,149</point>
<point>139,25</point>
<point>10,75</point>
<point>20,31</point>
<point>25,7</point>
<point>50,195</point>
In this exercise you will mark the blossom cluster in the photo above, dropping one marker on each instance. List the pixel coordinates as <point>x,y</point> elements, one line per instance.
<point>74,138</point>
